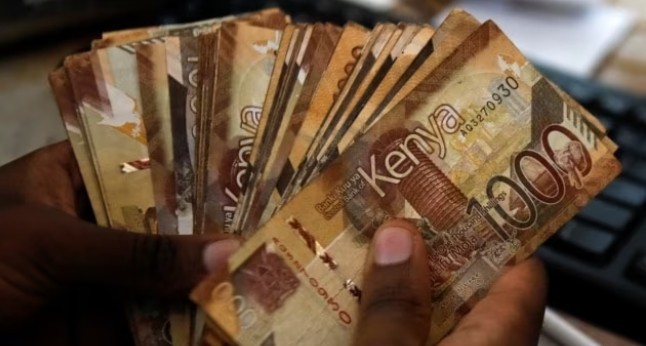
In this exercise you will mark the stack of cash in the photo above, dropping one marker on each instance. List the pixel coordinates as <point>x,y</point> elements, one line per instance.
<point>303,139</point>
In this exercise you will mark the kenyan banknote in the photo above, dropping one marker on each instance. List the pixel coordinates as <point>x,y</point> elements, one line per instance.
<point>307,73</point>
<point>245,60</point>
<point>485,155</point>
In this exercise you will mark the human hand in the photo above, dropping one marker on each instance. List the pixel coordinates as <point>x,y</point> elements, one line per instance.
<point>63,281</point>
<point>396,303</point>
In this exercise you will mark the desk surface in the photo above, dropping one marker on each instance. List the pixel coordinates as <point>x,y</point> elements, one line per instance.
<point>626,66</point>
<point>601,336</point>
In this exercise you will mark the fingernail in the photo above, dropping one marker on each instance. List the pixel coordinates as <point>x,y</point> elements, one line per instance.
<point>393,245</point>
<point>216,254</point>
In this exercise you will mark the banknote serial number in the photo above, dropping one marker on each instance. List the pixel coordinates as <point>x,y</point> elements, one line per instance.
<point>326,297</point>
<point>503,91</point>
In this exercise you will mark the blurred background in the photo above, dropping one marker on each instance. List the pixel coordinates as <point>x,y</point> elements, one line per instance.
<point>594,49</point>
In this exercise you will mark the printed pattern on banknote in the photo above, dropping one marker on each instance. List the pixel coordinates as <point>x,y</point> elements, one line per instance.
<point>489,160</point>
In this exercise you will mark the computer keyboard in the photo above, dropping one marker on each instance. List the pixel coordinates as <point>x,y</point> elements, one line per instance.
<point>596,263</point>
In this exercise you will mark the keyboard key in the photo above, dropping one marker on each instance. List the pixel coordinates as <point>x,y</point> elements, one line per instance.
<point>631,139</point>
<point>640,113</point>
<point>613,216</point>
<point>582,92</point>
<point>637,269</point>
<point>590,239</point>
<point>354,15</point>
<point>326,7</point>
<point>635,167</point>
<point>626,191</point>
<point>618,105</point>
<point>608,122</point>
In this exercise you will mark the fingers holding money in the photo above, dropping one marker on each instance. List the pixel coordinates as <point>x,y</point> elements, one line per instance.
<point>48,176</point>
<point>396,303</point>
<point>510,314</point>
<point>46,252</point>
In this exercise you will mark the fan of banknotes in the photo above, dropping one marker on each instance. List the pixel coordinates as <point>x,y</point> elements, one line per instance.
<point>303,139</point>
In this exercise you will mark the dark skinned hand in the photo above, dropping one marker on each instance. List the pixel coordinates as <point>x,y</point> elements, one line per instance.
<point>396,305</point>
<point>65,281</point>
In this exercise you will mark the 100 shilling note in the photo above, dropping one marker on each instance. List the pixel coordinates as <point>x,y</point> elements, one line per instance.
<point>485,154</point>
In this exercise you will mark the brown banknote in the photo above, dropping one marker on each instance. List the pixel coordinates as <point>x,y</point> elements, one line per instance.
<point>382,35</point>
<point>69,111</point>
<point>485,155</point>
<point>124,109</point>
<point>383,62</point>
<point>120,139</point>
<point>450,34</point>
<point>334,96</point>
<point>182,74</point>
<point>245,58</point>
<point>156,115</point>
<point>280,83</point>
<point>309,67</point>
<point>135,124</point>
<point>337,70</point>
<point>458,25</point>
<point>403,67</point>
<point>148,319</point>
<point>130,38</point>
<point>168,114</point>
<point>207,72</point>
<point>118,135</point>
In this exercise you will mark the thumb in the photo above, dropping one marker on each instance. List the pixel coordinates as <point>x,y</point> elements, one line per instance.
<point>71,251</point>
<point>396,302</point>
